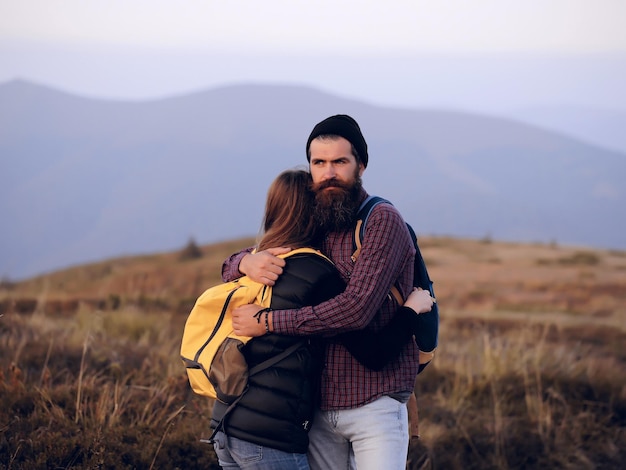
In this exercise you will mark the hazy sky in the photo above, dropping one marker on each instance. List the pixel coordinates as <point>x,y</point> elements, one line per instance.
<point>377,50</point>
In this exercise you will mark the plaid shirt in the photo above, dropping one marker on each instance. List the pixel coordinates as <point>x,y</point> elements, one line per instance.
<point>386,257</point>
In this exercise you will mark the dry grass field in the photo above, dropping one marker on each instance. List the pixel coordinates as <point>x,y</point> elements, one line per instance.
<point>530,372</point>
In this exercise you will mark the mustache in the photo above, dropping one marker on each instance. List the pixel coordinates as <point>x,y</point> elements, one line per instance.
<point>332,183</point>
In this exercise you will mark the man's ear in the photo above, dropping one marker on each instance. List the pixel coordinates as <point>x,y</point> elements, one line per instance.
<point>361,169</point>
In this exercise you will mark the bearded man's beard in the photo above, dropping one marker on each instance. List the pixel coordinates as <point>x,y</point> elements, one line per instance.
<point>335,209</point>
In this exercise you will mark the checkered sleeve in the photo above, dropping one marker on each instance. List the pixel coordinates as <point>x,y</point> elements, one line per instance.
<point>230,267</point>
<point>386,254</point>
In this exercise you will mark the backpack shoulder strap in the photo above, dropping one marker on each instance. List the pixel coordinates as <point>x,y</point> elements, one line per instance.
<point>275,359</point>
<point>305,250</point>
<point>362,217</point>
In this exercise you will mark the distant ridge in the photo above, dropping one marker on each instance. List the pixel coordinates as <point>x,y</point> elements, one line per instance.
<point>87,179</point>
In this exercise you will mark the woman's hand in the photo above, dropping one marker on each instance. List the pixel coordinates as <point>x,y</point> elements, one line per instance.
<point>246,324</point>
<point>420,300</point>
<point>265,266</point>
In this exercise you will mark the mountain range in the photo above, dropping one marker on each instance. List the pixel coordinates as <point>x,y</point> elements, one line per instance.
<point>86,179</point>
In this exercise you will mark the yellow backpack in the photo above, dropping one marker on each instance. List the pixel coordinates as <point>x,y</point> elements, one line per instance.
<point>210,349</point>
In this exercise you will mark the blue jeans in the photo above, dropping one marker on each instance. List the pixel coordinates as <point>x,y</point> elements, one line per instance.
<point>235,453</point>
<point>370,437</point>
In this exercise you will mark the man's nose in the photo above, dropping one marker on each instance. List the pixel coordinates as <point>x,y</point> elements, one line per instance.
<point>329,172</point>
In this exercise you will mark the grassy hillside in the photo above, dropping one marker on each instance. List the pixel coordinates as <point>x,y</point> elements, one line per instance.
<point>165,281</point>
<point>530,372</point>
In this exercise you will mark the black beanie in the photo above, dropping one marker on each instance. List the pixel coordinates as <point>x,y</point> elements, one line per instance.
<point>343,126</point>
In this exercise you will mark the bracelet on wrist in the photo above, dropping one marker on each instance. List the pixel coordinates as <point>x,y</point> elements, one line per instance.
<point>258,314</point>
<point>267,323</point>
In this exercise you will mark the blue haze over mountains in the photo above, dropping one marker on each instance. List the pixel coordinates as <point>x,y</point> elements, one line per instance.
<point>87,179</point>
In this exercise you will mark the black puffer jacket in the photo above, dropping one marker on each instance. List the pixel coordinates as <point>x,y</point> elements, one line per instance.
<point>276,411</point>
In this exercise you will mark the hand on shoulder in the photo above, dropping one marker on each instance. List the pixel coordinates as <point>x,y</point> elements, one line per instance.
<point>264,266</point>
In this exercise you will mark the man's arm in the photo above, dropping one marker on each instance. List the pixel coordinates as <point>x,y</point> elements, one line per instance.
<point>387,255</point>
<point>230,267</point>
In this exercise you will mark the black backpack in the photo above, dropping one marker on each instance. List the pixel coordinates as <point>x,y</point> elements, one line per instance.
<point>427,338</point>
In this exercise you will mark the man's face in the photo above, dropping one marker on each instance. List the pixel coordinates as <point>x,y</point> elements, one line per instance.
<point>333,159</point>
<point>336,182</point>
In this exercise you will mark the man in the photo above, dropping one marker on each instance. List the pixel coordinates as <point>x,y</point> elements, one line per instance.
<point>362,419</point>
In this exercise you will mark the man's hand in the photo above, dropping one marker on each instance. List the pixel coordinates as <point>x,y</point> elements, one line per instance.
<point>246,324</point>
<point>265,266</point>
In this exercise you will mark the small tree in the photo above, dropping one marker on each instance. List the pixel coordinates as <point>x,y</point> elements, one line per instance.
<point>190,251</point>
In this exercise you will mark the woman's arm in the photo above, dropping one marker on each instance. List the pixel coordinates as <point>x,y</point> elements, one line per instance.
<point>376,349</point>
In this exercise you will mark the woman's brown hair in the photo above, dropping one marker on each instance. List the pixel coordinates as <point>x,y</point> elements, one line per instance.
<point>288,219</point>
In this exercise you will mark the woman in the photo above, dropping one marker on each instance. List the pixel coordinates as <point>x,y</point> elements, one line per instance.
<point>269,426</point>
